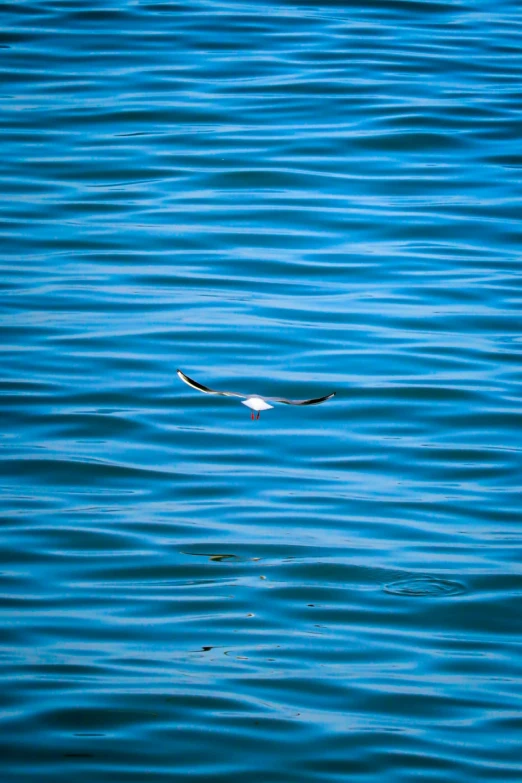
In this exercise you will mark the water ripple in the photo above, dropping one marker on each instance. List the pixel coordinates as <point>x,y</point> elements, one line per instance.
<point>425,587</point>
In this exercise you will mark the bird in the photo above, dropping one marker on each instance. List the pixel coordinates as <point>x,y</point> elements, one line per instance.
<point>253,401</point>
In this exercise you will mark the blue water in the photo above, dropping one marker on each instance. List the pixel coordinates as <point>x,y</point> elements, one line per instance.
<point>288,200</point>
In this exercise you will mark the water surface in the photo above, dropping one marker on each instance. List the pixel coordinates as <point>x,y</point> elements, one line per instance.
<point>289,200</point>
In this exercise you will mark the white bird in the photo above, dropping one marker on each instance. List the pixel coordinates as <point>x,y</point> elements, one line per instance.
<point>253,401</point>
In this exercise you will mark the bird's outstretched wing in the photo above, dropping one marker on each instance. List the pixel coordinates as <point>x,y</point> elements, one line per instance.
<point>205,389</point>
<point>315,401</point>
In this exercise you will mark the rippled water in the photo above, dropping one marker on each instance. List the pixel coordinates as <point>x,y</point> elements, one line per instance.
<point>289,200</point>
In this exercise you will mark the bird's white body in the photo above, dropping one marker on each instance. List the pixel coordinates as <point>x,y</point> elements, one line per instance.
<point>256,404</point>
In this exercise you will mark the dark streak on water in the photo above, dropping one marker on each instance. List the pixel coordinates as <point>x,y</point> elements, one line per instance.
<point>288,199</point>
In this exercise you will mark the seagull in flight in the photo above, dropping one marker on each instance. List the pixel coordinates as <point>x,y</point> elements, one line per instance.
<point>253,401</point>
